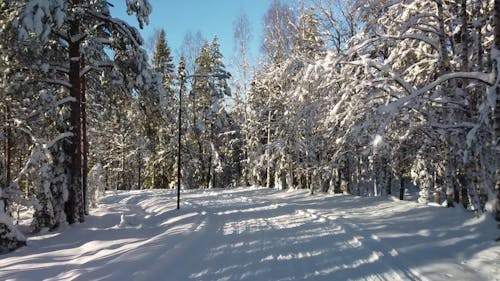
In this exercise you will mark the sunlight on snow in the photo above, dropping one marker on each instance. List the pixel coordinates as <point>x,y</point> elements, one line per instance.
<point>260,234</point>
<point>259,224</point>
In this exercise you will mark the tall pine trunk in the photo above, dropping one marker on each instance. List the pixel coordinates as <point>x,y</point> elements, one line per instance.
<point>84,142</point>
<point>7,156</point>
<point>401,187</point>
<point>496,53</point>
<point>74,205</point>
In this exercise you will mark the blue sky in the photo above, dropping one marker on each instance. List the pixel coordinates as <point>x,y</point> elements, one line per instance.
<point>211,17</point>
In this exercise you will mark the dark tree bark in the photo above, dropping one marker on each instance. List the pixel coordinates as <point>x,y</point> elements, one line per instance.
<point>7,146</point>
<point>74,204</point>
<point>388,187</point>
<point>497,62</point>
<point>401,188</point>
<point>444,63</point>
<point>497,107</point>
<point>139,185</point>
<point>337,188</point>
<point>84,144</point>
<point>464,36</point>
<point>6,150</point>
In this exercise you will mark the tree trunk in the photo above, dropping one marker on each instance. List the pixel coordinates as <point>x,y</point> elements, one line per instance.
<point>337,188</point>
<point>464,195</point>
<point>7,157</point>
<point>179,133</point>
<point>448,180</point>
<point>346,179</point>
<point>401,188</point>
<point>388,187</point>
<point>268,151</point>
<point>209,171</point>
<point>139,186</point>
<point>479,46</point>
<point>437,186</point>
<point>444,62</point>
<point>85,144</point>
<point>74,204</point>
<point>497,107</point>
<point>497,67</point>
<point>122,170</point>
<point>464,37</point>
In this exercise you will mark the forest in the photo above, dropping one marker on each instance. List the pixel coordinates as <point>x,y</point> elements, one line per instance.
<point>361,97</point>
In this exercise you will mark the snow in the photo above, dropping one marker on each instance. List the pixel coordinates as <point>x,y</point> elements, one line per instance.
<point>378,141</point>
<point>261,234</point>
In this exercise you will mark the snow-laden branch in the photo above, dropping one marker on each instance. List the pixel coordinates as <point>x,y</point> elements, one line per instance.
<point>415,36</point>
<point>65,100</point>
<point>488,78</point>
<point>395,76</point>
<point>58,68</point>
<point>38,152</point>
<point>96,67</point>
<point>60,137</point>
<point>77,38</point>
<point>120,25</point>
<point>58,82</point>
<point>414,20</point>
<point>453,126</point>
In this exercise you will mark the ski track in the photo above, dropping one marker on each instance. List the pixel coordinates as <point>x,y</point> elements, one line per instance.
<point>242,234</point>
<point>372,247</point>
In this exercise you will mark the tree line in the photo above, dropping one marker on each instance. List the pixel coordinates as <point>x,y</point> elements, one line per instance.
<point>363,97</point>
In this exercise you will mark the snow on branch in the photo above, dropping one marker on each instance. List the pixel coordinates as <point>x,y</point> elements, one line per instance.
<point>488,78</point>
<point>41,17</point>
<point>453,126</point>
<point>60,137</point>
<point>415,36</point>
<point>58,82</point>
<point>141,8</point>
<point>66,100</point>
<point>121,26</point>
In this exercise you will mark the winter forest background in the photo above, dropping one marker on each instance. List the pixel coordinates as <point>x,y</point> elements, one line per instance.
<point>362,97</point>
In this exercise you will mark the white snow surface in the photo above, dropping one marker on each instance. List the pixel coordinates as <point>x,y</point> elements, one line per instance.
<point>261,234</point>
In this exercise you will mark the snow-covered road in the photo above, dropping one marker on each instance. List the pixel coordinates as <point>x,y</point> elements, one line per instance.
<point>261,234</point>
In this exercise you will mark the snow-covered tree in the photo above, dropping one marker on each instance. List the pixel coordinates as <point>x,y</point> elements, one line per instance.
<point>84,28</point>
<point>209,115</point>
<point>279,31</point>
<point>402,93</point>
<point>160,122</point>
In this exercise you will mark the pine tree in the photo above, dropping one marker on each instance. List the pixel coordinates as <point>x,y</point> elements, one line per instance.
<point>209,116</point>
<point>160,119</point>
<point>162,59</point>
<point>81,28</point>
<point>496,58</point>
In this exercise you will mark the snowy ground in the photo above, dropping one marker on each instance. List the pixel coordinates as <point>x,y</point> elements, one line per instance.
<point>260,234</point>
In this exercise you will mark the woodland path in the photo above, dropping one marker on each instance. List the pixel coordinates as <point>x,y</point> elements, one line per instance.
<point>259,234</point>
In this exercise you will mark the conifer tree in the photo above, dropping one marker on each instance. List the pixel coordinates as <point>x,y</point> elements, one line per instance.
<point>209,116</point>
<point>84,28</point>
<point>159,119</point>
